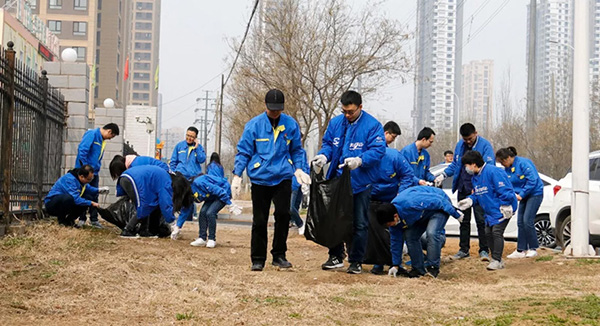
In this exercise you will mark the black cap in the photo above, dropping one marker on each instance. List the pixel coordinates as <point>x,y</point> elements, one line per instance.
<point>274,100</point>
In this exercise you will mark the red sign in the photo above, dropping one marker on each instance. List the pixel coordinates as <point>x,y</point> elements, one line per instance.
<point>45,52</point>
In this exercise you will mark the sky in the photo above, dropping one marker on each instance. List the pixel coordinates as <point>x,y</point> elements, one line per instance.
<point>195,37</point>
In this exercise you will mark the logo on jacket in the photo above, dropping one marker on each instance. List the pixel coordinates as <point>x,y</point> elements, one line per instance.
<point>481,190</point>
<point>356,146</point>
<point>336,141</point>
<point>500,183</point>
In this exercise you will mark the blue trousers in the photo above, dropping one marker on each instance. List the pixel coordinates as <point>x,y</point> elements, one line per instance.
<point>526,236</point>
<point>208,218</point>
<point>432,223</point>
<point>295,207</point>
<point>356,251</point>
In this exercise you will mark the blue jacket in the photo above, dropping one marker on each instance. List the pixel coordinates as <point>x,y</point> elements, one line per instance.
<point>456,168</point>
<point>412,202</point>
<point>270,155</point>
<point>363,138</point>
<point>305,167</point>
<point>147,160</point>
<point>525,178</point>
<point>492,189</point>
<point>216,170</point>
<point>69,184</point>
<point>206,187</point>
<point>420,162</point>
<point>153,189</point>
<point>391,175</point>
<point>187,160</point>
<point>91,150</point>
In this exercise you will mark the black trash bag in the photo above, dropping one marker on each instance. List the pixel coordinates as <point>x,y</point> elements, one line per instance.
<point>119,213</point>
<point>378,244</point>
<point>330,210</point>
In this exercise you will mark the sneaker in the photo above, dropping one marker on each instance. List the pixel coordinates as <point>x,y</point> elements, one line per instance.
<point>433,271</point>
<point>531,253</point>
<point>257,266</point>
<point>128,234</point>
<point>301,229</point>
<point>355,268</point>
<point>495,265</point>
<point>484,256</point>
<point>460,255</point>
<point>333,262</point>
<point>198,243</point>
<point>516,255</point>
<point>377,270</point>
<point>414,273</point>
<point>211,244</point>
<point>175,233</point>
<point>80,223</point>
<point>281,263</point>
<point>96,225</point>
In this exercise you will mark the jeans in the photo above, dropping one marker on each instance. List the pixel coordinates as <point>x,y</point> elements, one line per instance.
<point>208,218</point>
<point>356,250</point>
<point>527,237</point>
<point>262,196</point>
<point>295,207</point>
<point>432,223</point>
<point>465,227</point>
<point>495,238</point>
<point>64,208</point>
<point>93,211</point>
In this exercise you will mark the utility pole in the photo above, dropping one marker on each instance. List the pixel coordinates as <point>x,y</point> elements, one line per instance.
<point>220,114</point>
<point>205,120</point>
<point>530,116</point>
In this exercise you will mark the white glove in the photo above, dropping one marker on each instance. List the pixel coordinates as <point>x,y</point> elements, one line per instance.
<point>352,163</point>
<point>236,186</point>
<point>465,204</point>
<point>318,162</point>
<point>507,212</point>
<point>461,217</point>
<point>438,180</point>
<point>235,209</point>
<point>393,271</point>
<point>175,230</point>
<point>305,190</point>
<point>103,190</point>
<point>302,177</point>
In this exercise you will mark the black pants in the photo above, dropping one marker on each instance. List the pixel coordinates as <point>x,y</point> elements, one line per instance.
<point>262,196</point>
<point>495,238</point>
<point>129,190</point>
<point>64,208</point>
<point>93,211</point>
<point>465,227</point>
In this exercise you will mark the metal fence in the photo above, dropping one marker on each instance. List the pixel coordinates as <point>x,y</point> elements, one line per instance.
<point>32,119</point>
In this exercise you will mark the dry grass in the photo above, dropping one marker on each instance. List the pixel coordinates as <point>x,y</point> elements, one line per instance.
<point>59,276</point>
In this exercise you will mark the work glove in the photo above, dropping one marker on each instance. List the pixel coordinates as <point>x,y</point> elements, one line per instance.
<point>465,204</point>
<point>393,271</point>
<point>352,163</point>
<point>318,162</point>
<point>461,217</point>
<point>235,209</point>
<point>507,212</point>
<point>103,190</point>
<point>236,186</point>
<point>302,177</point>
<point>175,230</point>
<point>305,190</point>
<point>438,180</point>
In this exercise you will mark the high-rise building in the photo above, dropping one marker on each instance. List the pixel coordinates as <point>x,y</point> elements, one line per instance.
<point>143,54</point>
<point>595,42</point>
<point>477,94</point>
<point>438,64</point>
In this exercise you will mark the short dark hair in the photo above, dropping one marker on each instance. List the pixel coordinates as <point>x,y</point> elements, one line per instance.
<point>215,158</point>
<point>194,129</point>
<point>385,213</point>
<point>117,167</point>
<point>425,133</point>
<point>351,97</point>
<point>114,129</point>
<point>85,170</point>
<point>448,152</point>
<point>472,157</point>
<point>504,153</point>
<point>392,128</point>
<point>467,129</point>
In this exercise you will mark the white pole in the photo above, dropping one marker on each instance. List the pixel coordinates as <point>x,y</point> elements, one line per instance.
<point>457,116</point>
<point>581,128</point>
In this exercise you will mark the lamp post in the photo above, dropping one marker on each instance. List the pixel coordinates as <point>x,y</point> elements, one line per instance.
<point>149,131</point>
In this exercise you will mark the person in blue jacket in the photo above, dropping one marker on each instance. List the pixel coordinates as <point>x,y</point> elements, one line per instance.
<point>529,190</point>
<point>418,157</point>
<point>493,191</point>
<point>297,196</point>
<point>462,183</point>
<point>66,199</point>
<point>188,155</point>
<point>214,166</point>
<point>418,210</point>
<point>356,139</point>
<point>90,152</point>
<point>270,150</point>
<point>120,163</point>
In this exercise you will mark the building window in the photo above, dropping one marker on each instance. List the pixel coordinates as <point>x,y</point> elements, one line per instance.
<point>141,66</point>
<point>141,76</point>
<point>33,4</point>
<point>97,56</point>
<point>143,15</point>
<point>80,4</point>
<point>139,56</point>
<point>55,4</point>
<point>55,26</point>
<point>143,46</point>
<point>98,38</point>
<point>143,5</point>
<point>80,52</point>
<point>141,96</point>
<point>99,4</point>
<point>143,26</point>
<point>79,28</point>
<point>96,92</point>
<point>141,86</point>
<point>99,21</point>
<point>143,36</point>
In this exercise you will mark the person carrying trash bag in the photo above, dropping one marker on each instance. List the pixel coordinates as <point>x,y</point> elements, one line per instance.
<point>354,139</point>
<point>419,210</point>
<point>270,150</point>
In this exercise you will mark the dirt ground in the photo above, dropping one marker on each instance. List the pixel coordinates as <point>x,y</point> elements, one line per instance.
<point>61,276</point>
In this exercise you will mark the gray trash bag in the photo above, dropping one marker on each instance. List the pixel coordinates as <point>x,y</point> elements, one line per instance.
<point>119,213</point>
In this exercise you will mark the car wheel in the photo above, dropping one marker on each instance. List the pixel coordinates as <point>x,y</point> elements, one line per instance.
<point>544,231</point>
<point>563,233</point>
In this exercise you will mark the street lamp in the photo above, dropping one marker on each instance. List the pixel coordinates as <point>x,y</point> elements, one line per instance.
<point>109,103</point>
<point>149,130</point>
<point>69,55</point>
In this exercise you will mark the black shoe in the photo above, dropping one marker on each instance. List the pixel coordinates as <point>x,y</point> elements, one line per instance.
<point>128,234</point>
<point>414,273</point>
<point>147,234</point>
<point>355,268</point>
<point>333,262</point>
<point>257,266</point>
<point>281,263</point>
<point>377,271</point>
<point>433,271</point>
<point>402,272</point>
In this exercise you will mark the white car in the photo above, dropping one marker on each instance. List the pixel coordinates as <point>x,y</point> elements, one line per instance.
<point>560,215</point>
<point>543,227</point>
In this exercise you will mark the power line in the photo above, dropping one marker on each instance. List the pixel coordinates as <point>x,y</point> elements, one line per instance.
<point>487,22</point>
<point>195,90</point>
<point>242,43</point>
<point>180,112</point>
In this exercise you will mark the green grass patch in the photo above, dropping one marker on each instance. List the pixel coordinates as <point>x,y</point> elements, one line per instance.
<point>544,258</point>
<point>184,316</point>
<point>338,299</point>
<point>48,274</point>
<point>14,242</point>
<point>502,320</point>
<point>56,262</point>
<point>587,307</point>
<point>585,262</point>
<point>295,315</point>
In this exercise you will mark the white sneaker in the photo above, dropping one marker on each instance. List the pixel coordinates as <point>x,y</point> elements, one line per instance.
<point>211,244</point>
<point>495,265</point>
<point>198,243</point>
<point>516,254</point>
<point>80,223</point>
<point>301,229</point>
<point>175,232</point>
<point>531,253</point>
